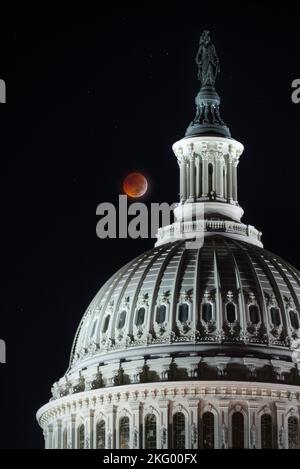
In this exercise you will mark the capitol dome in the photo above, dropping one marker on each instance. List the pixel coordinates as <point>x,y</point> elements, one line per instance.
<point>195,343</point>
<point>174,301</point>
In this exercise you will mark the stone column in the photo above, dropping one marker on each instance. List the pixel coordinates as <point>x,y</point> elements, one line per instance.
<point>50,437</point>
<point>223,437</point>
<point>136,425</point>
<point>111,433</point>
<point>234,177</point>
<point>58,435</point>
<point>182,166</point>
<point>73,432</point>
<point>229,179</point>
<point>193,424</point>
<point>219,176</point>
<point>163,425</point>
<point>253,427</point>
<point>198,178</point>
<point>282,437</point>
<point>46,438</point>
<point>192,177</point>
<point>187,178</point>
<point>224,178</point>
<point>68,424</point>
<point>205,176</point>
<point>89,428</point>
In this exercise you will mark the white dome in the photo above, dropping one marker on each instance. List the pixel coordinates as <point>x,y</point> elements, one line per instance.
<point>227,296</point>
<point>205,355</point>
<point>184,347</point>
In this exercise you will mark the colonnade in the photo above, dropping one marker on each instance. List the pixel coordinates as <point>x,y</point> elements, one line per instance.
<point>200,177</point>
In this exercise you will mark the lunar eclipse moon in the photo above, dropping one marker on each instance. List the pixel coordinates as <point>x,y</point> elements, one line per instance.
<point>135,185</point>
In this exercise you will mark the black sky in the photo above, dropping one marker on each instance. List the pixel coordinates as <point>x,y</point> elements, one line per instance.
<point>93,95</point>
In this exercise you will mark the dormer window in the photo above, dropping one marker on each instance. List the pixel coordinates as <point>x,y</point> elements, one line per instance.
<point>207,312</point>
<point>161,314</point>
<point>275,317</point>
<point>254,314</point>
<point>183,313</point>
<point>294,318</point>
<point>230,313</point>
<point>140,317</point>
<point>106,324</point>
<point>122,320</point>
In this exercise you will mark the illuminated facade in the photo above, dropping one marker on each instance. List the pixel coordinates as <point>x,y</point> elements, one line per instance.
<point>189,346</point>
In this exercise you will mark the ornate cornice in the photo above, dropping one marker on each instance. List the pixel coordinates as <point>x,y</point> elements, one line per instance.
<point>90,401</point>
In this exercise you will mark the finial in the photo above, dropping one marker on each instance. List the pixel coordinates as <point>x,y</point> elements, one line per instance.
<point>208,120</point>
<point>207,61</point>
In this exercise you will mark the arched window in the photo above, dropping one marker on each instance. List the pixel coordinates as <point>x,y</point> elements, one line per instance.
<point>238,430</point>
<point>150,432</point>
<point>140,317</point>
<point>275,317</point>
<point>254,314</point>
<point>65,439</point>
<point>122,320</point>
<point>161,314</point>
<point>100,435</point>
<point>183,314</point>
<point>106,324</point>
<point>293,433</point>
<point>179,431</point>
<point>210,177</point>
<point>124,433</point>
<point>80,437</point>
<point>207,312</point>
<point>266,431</point>
<point>208,430</point>
<point>294,318</point>
<point>230,312</point>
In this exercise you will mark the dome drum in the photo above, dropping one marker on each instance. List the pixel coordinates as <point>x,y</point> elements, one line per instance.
<point>216,367</point>
<point>181,415</point>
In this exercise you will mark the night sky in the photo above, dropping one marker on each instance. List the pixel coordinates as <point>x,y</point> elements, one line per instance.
<point>91,96</point>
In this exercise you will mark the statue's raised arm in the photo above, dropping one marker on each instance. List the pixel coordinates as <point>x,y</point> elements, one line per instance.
<point>207,61</point>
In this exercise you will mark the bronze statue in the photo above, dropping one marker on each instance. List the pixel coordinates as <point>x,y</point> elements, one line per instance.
<point>208,120</point>
<point>207,61</point>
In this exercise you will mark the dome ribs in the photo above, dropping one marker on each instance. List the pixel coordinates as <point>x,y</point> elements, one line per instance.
<point>268,271</point>
<point>206,269</point>
<point>196,294</point>
<point>175,295</point>
<point>260,297</point>
<point>158,284</point>
<point>182,280</point>
<point>292,292</point>
<point>106,298</point>
<point>292,274</point>
<point>228,280</point>
<point>140,284</point>
<point>239,287</point>
<point>121,294</point>
<point>218,296</point>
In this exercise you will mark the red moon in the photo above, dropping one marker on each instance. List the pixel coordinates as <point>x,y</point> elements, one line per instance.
<point>135,185</point>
